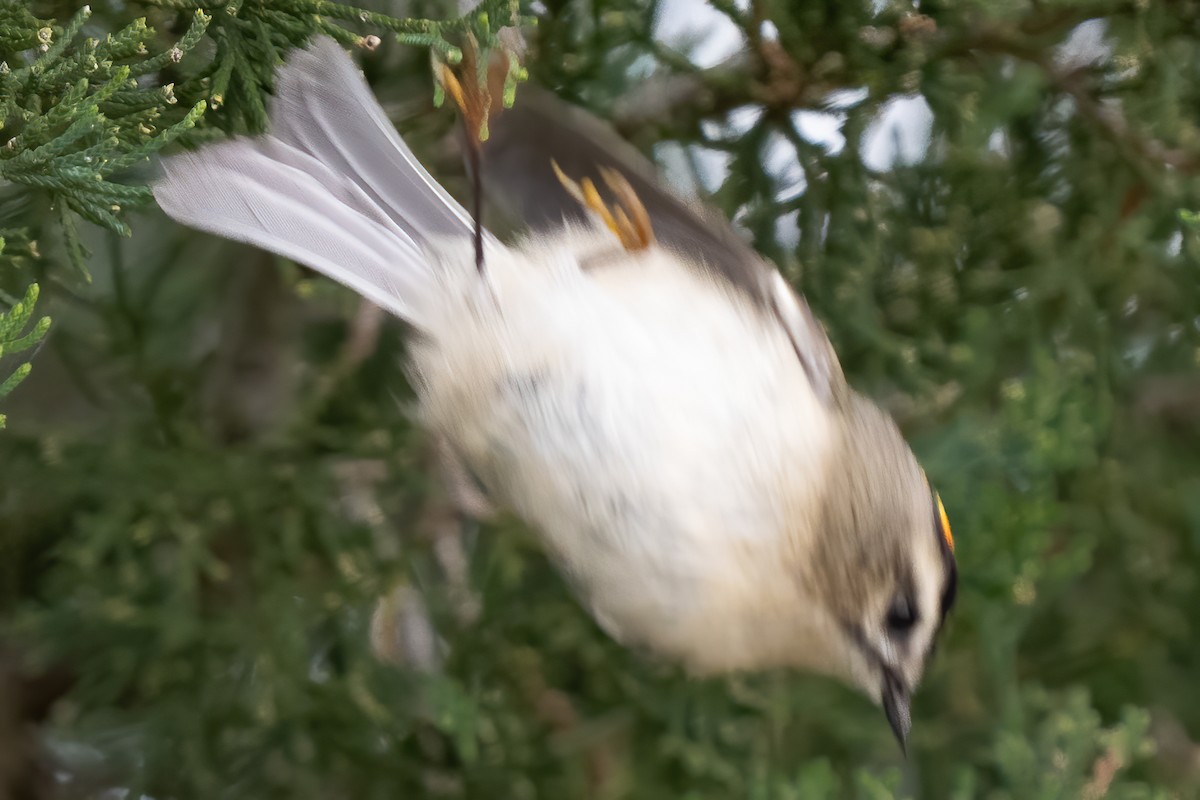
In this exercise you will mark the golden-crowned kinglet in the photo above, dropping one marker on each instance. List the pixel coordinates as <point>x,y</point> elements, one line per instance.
<point>646,392</point>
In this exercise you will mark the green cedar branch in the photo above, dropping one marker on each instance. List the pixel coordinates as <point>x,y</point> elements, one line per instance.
<point>14,338</point>
<point>73,117</point>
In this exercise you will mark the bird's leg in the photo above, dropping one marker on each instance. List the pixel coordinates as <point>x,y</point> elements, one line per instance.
<point>473,99</point>
<point>464,493</point>
<point>401,629</point>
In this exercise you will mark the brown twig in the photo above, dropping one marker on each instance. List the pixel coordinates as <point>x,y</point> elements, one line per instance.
<point>767,75</point>
<point>251,386</point>
<point>359,344</point>
<point>25,701</point>
<point>1103,772</point>
<point>1113,125</point>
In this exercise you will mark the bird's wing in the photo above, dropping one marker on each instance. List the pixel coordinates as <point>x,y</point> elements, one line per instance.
<point>541,130</point>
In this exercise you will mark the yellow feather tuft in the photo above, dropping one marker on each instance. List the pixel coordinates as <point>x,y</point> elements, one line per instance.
<point>944,522</point>
<point>626,218</point>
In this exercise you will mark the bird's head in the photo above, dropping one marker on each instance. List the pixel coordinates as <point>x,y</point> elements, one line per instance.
<point>883,562</point>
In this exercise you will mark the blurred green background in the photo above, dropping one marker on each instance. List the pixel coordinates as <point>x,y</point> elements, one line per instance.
<point>208,481</point>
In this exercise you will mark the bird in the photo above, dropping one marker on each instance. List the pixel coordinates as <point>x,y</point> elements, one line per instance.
<point>633,381</point>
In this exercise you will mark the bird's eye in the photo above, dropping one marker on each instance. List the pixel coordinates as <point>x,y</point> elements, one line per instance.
<point>900,615</point>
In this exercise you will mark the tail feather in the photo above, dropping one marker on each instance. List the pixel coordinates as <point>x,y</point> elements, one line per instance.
<point>323,107</point>
<point>332,186</point>
<point>238,191</point>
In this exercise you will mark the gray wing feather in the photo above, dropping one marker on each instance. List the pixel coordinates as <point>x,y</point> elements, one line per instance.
<point>541,128</point>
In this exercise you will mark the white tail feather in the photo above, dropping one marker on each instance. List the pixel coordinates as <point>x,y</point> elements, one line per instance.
<point>323,107</point>
<point>332,186</point>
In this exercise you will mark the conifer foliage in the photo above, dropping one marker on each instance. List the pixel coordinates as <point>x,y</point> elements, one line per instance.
<point>221,540</point>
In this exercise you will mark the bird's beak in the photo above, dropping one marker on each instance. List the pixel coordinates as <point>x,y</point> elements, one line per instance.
<point>896,707</point>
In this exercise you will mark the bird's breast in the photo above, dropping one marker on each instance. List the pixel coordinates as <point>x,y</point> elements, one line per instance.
<point>643,422</point>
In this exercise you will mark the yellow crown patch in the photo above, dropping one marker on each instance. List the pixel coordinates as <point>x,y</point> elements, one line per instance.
<point>943,522</point>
